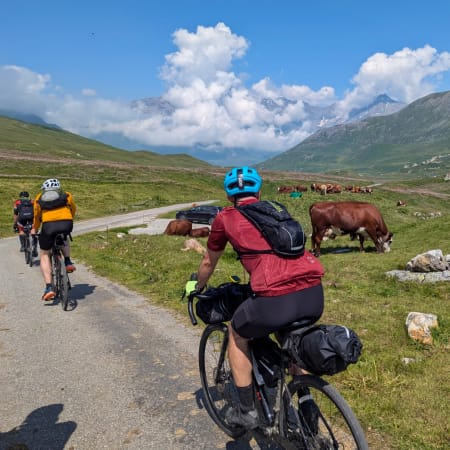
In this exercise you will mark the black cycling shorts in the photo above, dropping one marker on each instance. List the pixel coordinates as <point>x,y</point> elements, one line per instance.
<point>50,229</point>
<point>260,316</point>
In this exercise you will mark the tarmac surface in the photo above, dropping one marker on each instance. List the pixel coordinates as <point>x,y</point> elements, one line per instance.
<point>113,372</point>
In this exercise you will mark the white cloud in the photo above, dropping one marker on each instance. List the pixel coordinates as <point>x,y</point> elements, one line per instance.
<point>213,105</point>
<point>23,90</point>
<point>406,75</point>
<point>89,92</point>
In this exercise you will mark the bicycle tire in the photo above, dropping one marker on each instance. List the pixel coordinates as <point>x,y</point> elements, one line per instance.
<point>219,391</point>
<point>332,426</point>
<point>27,250</point>
<point>30,250</point>
<point>55,264</point>
<point>63,286</point>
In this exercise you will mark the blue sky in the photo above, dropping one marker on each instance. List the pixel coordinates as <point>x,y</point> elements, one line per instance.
<point>80,63</point>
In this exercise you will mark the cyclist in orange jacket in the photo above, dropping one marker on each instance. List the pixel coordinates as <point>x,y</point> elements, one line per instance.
<point>54,210</point>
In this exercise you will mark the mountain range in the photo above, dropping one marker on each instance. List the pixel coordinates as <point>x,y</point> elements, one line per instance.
<point>317,118</point>
<point>384,137</point>
<point>412,141</point>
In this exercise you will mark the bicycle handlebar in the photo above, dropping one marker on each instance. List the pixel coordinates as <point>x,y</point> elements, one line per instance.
<point>197,294</point>
<point>191,308</point>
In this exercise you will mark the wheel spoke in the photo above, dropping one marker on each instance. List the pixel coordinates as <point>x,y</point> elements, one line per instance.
<point>324,420</point>
<point>215,373</point>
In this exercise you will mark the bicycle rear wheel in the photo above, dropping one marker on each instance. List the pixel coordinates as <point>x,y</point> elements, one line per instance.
<point>27,250</point>
<point>30,250</point>
<point>215,373</point>
<point>326,423</point>
<point>63,286</point>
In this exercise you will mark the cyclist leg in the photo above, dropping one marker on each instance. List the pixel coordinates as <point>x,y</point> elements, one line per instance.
<point>241,367</point>
<point>65,227</point>
<point>258,317</point>
<point>34,241</point>
<point>21,236</point>
<point>45,243</point>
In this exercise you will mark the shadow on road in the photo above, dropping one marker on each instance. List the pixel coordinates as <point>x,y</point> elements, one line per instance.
<point>81,291</point>
<point>39,430</point>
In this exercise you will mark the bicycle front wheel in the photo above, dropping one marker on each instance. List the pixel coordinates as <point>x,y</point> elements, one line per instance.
<point>63,286</point>
<point>219,391</point>
<point>322,419</point>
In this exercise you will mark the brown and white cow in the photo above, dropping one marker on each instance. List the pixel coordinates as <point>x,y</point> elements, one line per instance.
<point>331,219</point>
<point>178,227</point>
<point>285,189</point>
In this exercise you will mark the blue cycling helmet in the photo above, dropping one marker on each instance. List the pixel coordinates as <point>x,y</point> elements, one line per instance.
<point>242,180</point>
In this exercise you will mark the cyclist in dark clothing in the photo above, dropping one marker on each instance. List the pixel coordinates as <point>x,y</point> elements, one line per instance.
<point>286,289</point>
<point>23,215</point>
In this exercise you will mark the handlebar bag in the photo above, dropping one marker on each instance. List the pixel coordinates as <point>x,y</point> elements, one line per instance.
<point>218,304</point>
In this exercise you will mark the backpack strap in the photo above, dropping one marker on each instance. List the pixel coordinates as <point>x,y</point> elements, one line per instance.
<point>242,210</point>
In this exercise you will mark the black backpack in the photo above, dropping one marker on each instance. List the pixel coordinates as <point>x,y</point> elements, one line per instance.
<point>52,199</point>
<point>25,211</point>
<point>284,234</point>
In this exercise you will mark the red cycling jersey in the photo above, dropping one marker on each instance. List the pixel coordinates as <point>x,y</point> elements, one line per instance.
<point>270,274</point>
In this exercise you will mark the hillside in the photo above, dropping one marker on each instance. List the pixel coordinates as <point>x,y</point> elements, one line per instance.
<point>413,142</point>
<point>40,142</point>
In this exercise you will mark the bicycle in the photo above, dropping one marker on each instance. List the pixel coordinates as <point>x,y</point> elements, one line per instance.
<point>60,277</point>
<point>295,411</point>
<point>28,245</point>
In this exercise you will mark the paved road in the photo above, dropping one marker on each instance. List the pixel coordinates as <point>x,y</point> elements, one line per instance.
<point>114,373</point>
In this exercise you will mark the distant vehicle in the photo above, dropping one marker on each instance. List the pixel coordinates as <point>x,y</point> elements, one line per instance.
<point>199,214</point>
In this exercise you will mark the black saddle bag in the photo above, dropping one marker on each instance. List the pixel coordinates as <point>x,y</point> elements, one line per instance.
<point>324,349</point>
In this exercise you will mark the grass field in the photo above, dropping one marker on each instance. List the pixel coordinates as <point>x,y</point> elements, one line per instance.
<point>401,406</point>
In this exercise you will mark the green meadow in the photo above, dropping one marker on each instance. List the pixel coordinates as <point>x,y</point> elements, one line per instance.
<point>400,405</point>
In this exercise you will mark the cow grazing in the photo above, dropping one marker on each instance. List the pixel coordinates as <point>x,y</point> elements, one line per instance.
<point>199,232</point>
<point>401,203</point>
<point>301,188</point>
<point>178,227</point>
<point>285,189</point>
<point>358,219</point>
<point>326,188</point>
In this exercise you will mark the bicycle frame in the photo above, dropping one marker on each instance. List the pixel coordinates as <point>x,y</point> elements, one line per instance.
<point>300,411</point>
<point>28,244</point>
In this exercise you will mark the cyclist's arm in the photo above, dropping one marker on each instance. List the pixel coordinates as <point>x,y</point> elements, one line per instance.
<point>207,266</point>
<point>37,213</point>
<point>71,204</point>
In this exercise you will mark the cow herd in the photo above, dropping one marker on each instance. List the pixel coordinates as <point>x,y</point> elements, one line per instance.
<point>325,188</point>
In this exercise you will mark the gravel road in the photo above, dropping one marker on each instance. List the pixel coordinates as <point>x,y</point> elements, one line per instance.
<point>116,372</point>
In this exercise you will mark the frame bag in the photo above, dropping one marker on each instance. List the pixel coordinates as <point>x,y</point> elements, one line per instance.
<point>325,349</point>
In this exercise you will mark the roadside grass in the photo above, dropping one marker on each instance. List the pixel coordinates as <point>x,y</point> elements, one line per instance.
<point>110,191</point>
<point>401,406</point>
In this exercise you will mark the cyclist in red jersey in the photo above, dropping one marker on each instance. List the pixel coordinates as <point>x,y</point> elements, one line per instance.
<point>285,289</point>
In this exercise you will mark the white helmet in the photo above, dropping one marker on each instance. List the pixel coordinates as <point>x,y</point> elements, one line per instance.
<point>51,184</point>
